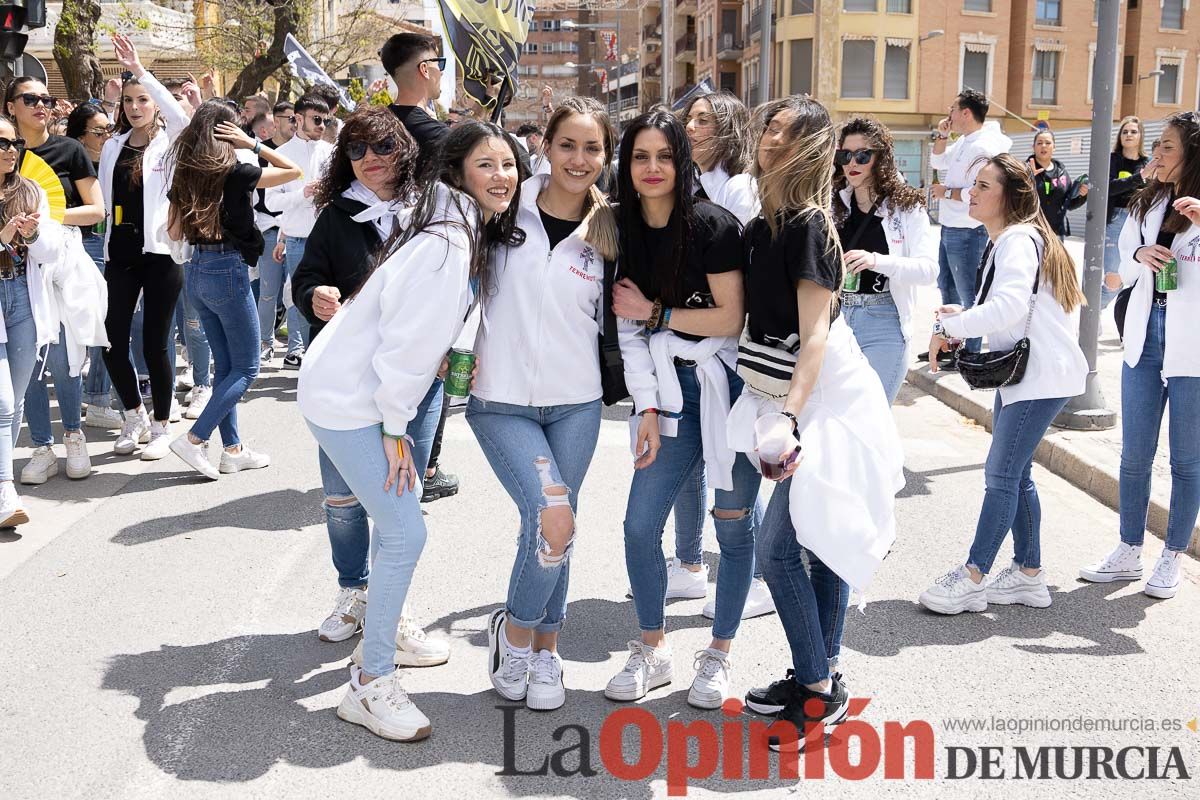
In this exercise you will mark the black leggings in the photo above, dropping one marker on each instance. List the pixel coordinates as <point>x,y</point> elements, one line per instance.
<point>160,280</point>
<point>435,449</point>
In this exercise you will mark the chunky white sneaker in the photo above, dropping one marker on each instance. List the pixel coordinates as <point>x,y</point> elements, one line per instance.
<point>683,583</point>
<point>1122,564</point>
<point>42,466</point>
<point>954,593</point>
<point>79,464</point>
<point>1164,581</point>
<point>12,513</point>
<point>710,687</point>
<point>508,668</point>
<point>195,456</point>
<point>102,417</point>
<point>176,411</point>
<point>160,441</point>
<point>758,602</point>
<point>346,619</point>
<point>135,431</point>
<point>647,668</point>
<point>200,397</point>
<point>1011,586</point>
<point>383,708</point>
<point>546,691</point>
<point>184,381</point>
<point>415,649</point>
<point>243,459</point>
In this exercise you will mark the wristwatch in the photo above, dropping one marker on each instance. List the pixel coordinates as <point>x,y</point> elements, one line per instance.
<point>939,329</point>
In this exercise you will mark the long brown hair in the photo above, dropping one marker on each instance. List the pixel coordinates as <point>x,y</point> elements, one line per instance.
<point>1022,207</point>
<point>201,163</point>
<point>885,177</point>
<point>732,146</point>
<point>599,223</point>
<point>123,125</point>
<point>1187,125</point>
<point>369,124</point>
<point>21,196</point>
<point>1141,136</point>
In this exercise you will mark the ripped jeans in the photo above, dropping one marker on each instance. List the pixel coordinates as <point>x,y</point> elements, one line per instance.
<point>540,455</point>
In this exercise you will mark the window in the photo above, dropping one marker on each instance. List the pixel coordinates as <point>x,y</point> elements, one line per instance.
<point>531,48</point>
<point>728,82</point>
<point>1133,3</point>
<point>1127,70</point>
<point>858,68</point>
<point>899,6</point>
<point>800,78</point>
<point>729,24</point>
<point>975,70</point>
<point>895,72</point>
<point>1049,12</point>
<point>550,47</point>
<point>1168,85</point>
<point>984,6</point>
<point>546,25</point>
<point>802,7</point>
<point>1045,77</point>
<point>1172,14</point>
<point>860,5</point>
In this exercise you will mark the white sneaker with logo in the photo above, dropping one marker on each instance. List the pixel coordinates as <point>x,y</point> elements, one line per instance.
<point>414,648</point>
<point>954,593</point>
<point>546,690</point>
<point>1011,586</point>
<point>160,441</point>
<point>135,431</point>
<point>79,464</point>
<point>508,668</point>
<point>12,513</point>
<point>685,584</point>
<point>710,687</point>
<point>349,609</point>
<point>42,466</point>
<point>1123,564</point>
<point>103,417</point>
<point>1164,582</point>
<point>758,602</point>
<point>243,459</point>
<point>647,668</point>
<point>200,396</point>
<point>195,456</point>
<point>383,708</point>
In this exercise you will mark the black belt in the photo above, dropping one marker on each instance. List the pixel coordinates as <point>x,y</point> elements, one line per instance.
<point>16,271</point>
<point>683,362</point>
<point>218,247</point>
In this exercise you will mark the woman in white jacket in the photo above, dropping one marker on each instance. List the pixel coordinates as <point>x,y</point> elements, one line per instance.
<point>889,246</point>
<point>1029,290</point>
<point>1162,358</point>
<point>535,407</point>
<point>366,374</point>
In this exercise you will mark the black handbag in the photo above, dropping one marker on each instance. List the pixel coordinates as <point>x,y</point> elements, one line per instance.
<point>999,368</point>
<point>612,365</point>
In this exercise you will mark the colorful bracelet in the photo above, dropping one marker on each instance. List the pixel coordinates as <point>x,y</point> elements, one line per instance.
<point>666,318</point>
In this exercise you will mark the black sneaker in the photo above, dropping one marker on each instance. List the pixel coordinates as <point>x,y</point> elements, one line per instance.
<point>280,316</point>
<point>771,700</point>
<point>831,711</point>
<point>442,484</point>
<point>293,361</point>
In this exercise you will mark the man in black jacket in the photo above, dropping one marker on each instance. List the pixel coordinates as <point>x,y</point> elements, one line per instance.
<point>413,62</point>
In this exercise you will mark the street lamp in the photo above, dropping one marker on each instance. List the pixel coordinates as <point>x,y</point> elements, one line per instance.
<point>931,35</point>
<point>572,25</point>
<point>1151,74</point>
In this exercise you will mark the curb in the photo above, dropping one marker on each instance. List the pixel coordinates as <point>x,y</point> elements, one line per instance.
<point>1068,454</point>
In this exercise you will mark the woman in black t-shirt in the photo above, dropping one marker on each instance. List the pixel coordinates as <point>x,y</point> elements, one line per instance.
<point>680,308</point>
<point>804,371</point>
<point>212,207</point>
<point>1128,170</point>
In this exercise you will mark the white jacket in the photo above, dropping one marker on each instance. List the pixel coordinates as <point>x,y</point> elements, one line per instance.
<point>1181,357</point>
<point>1057,367</point>
<point>156,173</point>
<point>298,212</point>
<point>537,341</point>
<point>912,257</point>
<point>738,194</point>
<point>959,163</point>
<point>375,360</point>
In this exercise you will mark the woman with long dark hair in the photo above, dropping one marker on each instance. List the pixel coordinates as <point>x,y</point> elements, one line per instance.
<point>212,208</point>
<point>681,309</point>
<point>1162,358</point>
<point>364,377</point>
<point>1128,170</point>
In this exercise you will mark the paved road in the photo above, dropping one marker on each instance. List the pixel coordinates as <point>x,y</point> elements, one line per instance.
<point>161,642</point>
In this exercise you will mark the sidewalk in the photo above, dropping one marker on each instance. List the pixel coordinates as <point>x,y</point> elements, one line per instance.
<point>1090,460</point>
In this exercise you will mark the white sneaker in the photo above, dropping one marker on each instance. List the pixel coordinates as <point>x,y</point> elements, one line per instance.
<point>243,459</point>
<point>416,649</point>
<point>683,583</point>
<point>176,411</point>
<point>710,687</point>
<point>1011,586</point>
<point>647,668</point>
<point>184,381</point>
<point>1164,582</point>
<point>103,417</point>
<point>758,602</point>
<point>1122,564</point>
<point>546,691</point>
<point>11,512</point>
<point>199,401</point>
<point>79,464</point>
<point>267,354</point>
<point>160,441</point>
<point>42,466</point>
<point>383,708</point>
<point>954,593</point>
<point>135,431</point>
<point>347,616</point>
<point>195,456</point>
<point>508,668</point>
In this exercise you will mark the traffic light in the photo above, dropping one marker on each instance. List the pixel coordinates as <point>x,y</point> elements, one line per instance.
<point>12,40</point>
<point>35,14</point>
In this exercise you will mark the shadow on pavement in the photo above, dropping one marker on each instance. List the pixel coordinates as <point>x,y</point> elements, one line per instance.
<point>282,510</point>
<point>916,484</point>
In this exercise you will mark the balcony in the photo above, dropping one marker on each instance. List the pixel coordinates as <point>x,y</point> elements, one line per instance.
<point>652,71</point>
<point>652,33</point>
<point>685,7</point>
<point>729,47</point>
<point>752,94</point>
<point>685,48</point>
<point>167,34</point>
<point>754,24</point>
<point>627,103</point>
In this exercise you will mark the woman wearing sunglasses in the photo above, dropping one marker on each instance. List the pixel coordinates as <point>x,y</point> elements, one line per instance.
<point>369,181</point>
<point>889,247</point>
<point>31,108</point>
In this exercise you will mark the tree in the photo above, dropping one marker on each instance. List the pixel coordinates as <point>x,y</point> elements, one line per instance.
<point>75,48</point>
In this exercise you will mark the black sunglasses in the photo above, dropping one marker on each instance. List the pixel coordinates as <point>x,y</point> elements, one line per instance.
<point>842,157</point>
<point>357,150</point>
<point>441,62</point>
<point>290,119</point>
<point>320,122</point>
<point>8,144</point>
<point>31,100</point>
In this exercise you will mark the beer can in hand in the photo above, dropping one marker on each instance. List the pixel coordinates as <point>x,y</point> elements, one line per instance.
<point>851,282</point>
<point>458,376</point>
<point>1167,277</point>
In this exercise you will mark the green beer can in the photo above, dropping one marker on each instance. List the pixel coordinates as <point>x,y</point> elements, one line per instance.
<point>1167,278</point>
<point>458,376</point>
<point>852,281</point>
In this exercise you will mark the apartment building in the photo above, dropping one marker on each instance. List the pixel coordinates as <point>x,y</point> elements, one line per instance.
<point>1160,65</point>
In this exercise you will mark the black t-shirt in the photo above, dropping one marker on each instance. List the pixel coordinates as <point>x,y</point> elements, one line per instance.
<point>90,230</point>
<point>773,268</point>
<point>237,212</point>
<point>1124,179</point>
<point>1166,238</point>
<point>70,160</point>
<point>127,238</point>
<point>872,239</point>
<point>557,229</point>
<point>714,245</point>
<point>260,199</point>
<point>425,130</point>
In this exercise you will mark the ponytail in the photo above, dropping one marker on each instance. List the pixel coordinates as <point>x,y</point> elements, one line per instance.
<point>600,224</point>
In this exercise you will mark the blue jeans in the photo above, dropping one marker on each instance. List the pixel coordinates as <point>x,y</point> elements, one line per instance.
<point>298,327</point>
<point>1143,399</point>
<point>651,496</point>
<point>531,450</point>
<point>1112,254</point>
<point>1010,497</point>
<point>68,391</point>
<point>347,525</point>
<point>399,533</point>
<point>17,358</point>
<point>97,388</point>
<point>689,519</point>
<point>218,286</point>
<point>187,319</point>
<point>270,284</point>
<point>959,254</point>
<point>812,608</point>
<point>876,325</point>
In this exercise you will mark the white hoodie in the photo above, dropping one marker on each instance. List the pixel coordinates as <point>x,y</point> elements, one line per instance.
<point>375,360</point>
<point>737,194</point>
<point>960,164</point>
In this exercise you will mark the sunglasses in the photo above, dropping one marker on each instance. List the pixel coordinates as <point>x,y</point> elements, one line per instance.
<point>99,131</point>
<point>441,62</point>
<point>357,150</point>
<point>31,100</point>
<point>843,157</point>
<point>320,122</point>
<point>290,120</point>
<point>8,144</point>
